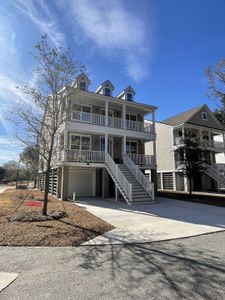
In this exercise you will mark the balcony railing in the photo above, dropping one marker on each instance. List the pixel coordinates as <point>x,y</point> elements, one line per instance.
<point>86,156</point>
<point>114,122</point>
<point>141,159</point>
<point>204,143</point>
<point>88,118</point>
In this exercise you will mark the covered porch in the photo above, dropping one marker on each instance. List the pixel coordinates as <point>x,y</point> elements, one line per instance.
<point>83,148</point>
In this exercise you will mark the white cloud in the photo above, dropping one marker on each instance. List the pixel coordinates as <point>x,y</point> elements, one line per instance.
<point>41,16</point>
<point>113,29</point>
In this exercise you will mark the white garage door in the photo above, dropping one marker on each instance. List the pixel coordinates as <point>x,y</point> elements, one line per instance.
<point>82,182</point>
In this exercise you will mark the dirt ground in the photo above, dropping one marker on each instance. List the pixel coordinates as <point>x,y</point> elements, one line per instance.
<point>79,227</point>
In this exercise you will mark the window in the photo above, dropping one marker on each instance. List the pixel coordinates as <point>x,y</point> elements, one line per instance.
<point>204,116</point>
<point>131,147</point>
<point>83,85</point>
<point>129,97</point>
<point>79,142</point>
<point>81,112</point>
<point>107,92</point>
<point>131,117</point>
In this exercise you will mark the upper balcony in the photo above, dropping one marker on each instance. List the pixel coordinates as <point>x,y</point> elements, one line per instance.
<point>93,112</point>
<point>204,143</point>
<point>114,122</point>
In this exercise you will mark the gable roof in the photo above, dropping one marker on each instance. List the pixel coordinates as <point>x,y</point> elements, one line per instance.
<point>107,83</point>
<point>182,117</point>
<point>127,89</point>
<point>81,76</point>
<point>191,117</point>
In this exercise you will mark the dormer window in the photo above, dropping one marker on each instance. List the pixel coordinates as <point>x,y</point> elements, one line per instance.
<point>107,91</point>
<point>83,85</point>
<point>129,97</point>
<point>204,116</point>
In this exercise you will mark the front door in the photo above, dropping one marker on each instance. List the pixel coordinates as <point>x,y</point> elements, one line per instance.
<point>110,145</point>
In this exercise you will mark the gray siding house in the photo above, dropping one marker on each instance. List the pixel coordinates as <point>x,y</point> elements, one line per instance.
<point>205,128</point>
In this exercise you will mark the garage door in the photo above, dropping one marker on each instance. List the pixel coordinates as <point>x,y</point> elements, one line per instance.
<point>82,182</point>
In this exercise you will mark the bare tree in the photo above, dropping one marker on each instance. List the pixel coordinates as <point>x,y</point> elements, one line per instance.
<point>41,111</point>
<point>216,78</point>
<point>190,157</point>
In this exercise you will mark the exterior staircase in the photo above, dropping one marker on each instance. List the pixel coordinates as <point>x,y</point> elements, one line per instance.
<point>216,172</point>
<point>139,193</point>
<point>130,181</point>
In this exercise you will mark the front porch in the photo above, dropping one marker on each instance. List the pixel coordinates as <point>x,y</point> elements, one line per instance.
<point>90,149</point>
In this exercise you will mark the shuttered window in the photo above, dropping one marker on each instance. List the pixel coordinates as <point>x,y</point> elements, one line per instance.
<point>168,181</point>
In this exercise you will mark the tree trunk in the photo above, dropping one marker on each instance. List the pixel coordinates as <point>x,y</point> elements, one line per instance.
<point>45,204</point>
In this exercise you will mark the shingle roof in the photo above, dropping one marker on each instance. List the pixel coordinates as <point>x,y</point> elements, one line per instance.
<point>182,117</point>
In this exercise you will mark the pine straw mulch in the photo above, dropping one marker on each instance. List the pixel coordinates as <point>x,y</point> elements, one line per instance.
<point>74,229</point>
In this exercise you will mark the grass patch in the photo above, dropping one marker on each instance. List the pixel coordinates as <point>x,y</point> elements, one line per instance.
<point>78,227</point>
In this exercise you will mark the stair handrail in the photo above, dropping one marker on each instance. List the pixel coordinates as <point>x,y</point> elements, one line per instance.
<point>147,185</point>
<point>119,176</point>
<point>214,172</point>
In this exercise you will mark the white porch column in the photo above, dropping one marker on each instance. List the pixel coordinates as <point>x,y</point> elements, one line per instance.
<point>185,184</point>
<point>106,112</point>
<point>116,193</point>
<point>124,116</point>
<point>106,142</point>
<point>161,178</point>
<point>65,139</point>
<point>124,144</point>
<point>183,132</point>
<point>223,141</point>
<point>154,141</point>
<point>174,182</point>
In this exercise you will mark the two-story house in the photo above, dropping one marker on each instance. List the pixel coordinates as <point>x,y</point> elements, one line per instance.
<point>203,126</point>
<point>101,145</point>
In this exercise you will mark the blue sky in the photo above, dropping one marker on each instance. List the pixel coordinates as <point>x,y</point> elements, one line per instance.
<point>160,47</point>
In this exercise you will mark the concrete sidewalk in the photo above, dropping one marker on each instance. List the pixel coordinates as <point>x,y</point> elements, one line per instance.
<point>6,279</point>
<point>167,219</point>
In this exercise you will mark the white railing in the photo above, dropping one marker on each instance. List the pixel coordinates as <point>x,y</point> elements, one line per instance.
<point>219,145</point>
<point>148,128</point>
<point>74,155</point>
<point>124,184</point>
<point>147,185</point>
<point>134,125</point>
<point>204,143</point>
<point>141,159</point>
<point>216,171</point>
<point>115,122</point>
<point>94,119</point>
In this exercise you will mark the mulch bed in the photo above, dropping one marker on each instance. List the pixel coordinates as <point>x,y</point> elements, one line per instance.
<point>198,198</point>
<point>65,225</point>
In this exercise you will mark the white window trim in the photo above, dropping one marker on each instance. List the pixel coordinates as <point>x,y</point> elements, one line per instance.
<point>127,96</point>
<point>81,135</point>
<point>82,105</point>
<point>131,114</point>
<point>106,87</point>
<point>103,109</point>
<point>85,85</point>
<point>111,139</point>
<point>133,141</point>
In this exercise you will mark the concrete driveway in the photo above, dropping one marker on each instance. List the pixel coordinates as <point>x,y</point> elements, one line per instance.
<point>166,219</point>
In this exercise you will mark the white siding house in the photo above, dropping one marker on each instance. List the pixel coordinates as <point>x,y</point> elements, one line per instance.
<point>101,145</point>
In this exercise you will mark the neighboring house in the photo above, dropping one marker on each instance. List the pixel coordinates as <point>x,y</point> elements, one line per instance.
<point>204,127</point>
<point>101,145</point>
